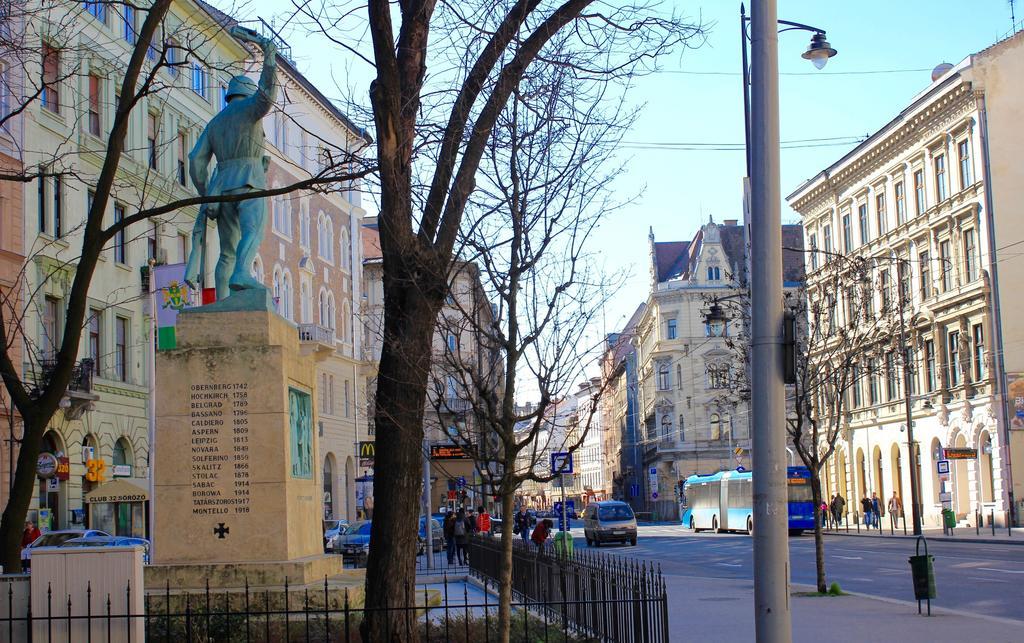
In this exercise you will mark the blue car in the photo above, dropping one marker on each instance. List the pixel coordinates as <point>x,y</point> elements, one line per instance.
<point>110,541</point>
<point>436,535</point>
<point>354,543</point>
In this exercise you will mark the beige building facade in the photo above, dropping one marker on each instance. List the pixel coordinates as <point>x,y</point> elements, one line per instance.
<point>930,200</point>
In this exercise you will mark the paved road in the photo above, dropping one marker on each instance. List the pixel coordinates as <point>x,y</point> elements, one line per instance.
<point>973,577</point>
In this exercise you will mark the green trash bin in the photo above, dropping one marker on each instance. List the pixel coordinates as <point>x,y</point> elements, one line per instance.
<point>948,518</point>
<point>923,573</point>
<point>563,543</point>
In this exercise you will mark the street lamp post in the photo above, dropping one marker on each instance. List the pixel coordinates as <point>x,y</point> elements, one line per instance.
<point>915,484</point>
<point>771,547</point>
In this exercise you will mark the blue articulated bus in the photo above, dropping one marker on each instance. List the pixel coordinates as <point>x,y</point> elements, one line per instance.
<point>723,501</point>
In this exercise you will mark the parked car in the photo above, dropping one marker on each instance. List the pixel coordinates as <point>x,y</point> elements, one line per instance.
<point>331,530</point>
<point>354,543</point>
<point>436,535</point>
<point>110,541</point>
<point>58,538</point>
<point>609,521</point>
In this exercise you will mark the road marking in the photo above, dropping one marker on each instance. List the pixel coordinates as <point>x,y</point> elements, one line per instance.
<point>848,557</point>
<point>730,564</point>
<point>1005,571</point>
<point>988,580</point>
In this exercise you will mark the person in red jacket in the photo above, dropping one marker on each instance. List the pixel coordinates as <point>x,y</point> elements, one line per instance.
<point>540,534</point>
<point>483,521</point>
<point>30,534</point>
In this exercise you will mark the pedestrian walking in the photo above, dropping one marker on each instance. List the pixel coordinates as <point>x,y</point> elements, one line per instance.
<point>28,536</point>
<point>838,508</point>
<point>521,524</point>
<point>866,511</point>
<point>462,528</point>
<point>823,509</point>
<point>876,508</point>
<point>895,509</point>
<point>449,536</point>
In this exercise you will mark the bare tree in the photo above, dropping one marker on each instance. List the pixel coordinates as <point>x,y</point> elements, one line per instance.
<point>432,131</point>
<point>544,184</point>
<point>843,336</point>
<point>144,62</point>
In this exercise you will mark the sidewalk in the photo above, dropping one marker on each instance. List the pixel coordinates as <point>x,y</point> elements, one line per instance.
<point>960,535</point>
<point>713,609</point>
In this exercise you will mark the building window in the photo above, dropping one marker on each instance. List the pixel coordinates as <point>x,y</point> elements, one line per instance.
<point>714,273</point>
<point>847,234</point>
<point>940,177</point>
<point>979,352</point>
<point>671,328</point>
<point>152,128</point>
<point>873,397</point>
<point>718,376</point>
<point>348,400</point>
<point>95,320</point>
<point>929,365</point>
<point>304,225</point>
<point>452,343</point>
<point>919,201</point>
<point>813,243</point>
<point>716,426</point>
<point>891,382</point>
<point>94,105</point>
<point>151,244</point>
<point>908,369</point>
<point>5,94</point>
<point>51,78</point>
<point>129,24</point>
<point>664,377</point>
<point>51,326</point>
<point>954,358</point>
<point>199,79</point>
<point>947,266</point>
<point>325,238</point>
<point>121,349</point>
<point>851,306</point>
<point>858,399</point>
<point>345,263</point>
<point>666,427</point>
<point>97,10</point>
<point>182,156</point>
<point>901,204</point>
<point>862,219</point>
<point>926,275</point>
<point>58,208</point>
<point>970,263</point>
<point>826,238</point>
<point>880,214</point>
<point>903,270</point>
<point>305,301</point>
<point>963,151</point>
<point>886,290</point>
<point>120,241</point>
<point>172,56</point>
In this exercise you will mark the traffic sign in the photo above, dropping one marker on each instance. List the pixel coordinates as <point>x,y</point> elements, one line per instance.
<point>634,490</point>
<point>460,482</point>
<point>942,466</point>
<point>561,462</point>
<point>654,495</point>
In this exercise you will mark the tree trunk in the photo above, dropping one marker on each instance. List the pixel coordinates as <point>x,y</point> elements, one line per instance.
<point>819,537</point>
<point>505,564</point>
<point>13,522</point>
<point>409,320</point>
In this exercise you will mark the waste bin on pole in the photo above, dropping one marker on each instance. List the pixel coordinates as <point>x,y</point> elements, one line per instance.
<point>563,543</point>
<point>923,573</point>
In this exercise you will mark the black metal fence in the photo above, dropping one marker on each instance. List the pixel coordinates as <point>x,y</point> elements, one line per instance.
<point>607,598</point>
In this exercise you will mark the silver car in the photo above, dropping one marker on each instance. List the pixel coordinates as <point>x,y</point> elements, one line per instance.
<point>609,521</point>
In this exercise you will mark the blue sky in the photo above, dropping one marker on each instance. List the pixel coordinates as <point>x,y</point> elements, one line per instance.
<point>681,188</point>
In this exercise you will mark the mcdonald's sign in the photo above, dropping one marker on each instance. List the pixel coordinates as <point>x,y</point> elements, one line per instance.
<point>367,452</point>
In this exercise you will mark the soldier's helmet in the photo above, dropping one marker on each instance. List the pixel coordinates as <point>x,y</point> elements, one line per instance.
<point>241,86</point>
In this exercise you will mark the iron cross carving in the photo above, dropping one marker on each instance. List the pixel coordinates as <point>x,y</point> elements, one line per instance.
<point>220,530</point>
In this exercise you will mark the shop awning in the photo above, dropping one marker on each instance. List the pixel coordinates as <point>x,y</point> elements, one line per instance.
<point>117,491</point>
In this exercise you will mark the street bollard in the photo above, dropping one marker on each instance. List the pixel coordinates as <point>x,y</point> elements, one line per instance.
<point>846,521</point>
<point>904,517</point>
<point>923,573</point>
<point>992,521</point>
<point>977,523</point>
<point>856,521</point>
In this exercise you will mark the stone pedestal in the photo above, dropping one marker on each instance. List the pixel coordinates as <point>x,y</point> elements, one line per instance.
<point>236,478</point>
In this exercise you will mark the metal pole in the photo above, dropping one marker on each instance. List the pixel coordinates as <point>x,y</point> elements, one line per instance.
<point>151,403</point>
<point>771,547</point>
<point>746,86</point>
<point>429,550</point>
<point>915,506</point>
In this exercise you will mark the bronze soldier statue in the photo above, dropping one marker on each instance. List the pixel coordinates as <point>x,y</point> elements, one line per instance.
<point>235,138</point>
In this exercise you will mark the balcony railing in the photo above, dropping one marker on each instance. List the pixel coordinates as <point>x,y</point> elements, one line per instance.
<point>315,333</point>
<point>455,405</point>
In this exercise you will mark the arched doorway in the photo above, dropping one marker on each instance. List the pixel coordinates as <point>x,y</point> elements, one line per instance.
<point>985,473</point>
<point>896,464</point>
<point>330,494</point>
<point>961,487</point>
<point>862,479</point>
<point>840,461</point>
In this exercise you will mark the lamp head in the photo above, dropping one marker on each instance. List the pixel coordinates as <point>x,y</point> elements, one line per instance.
<point>819,51</point>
